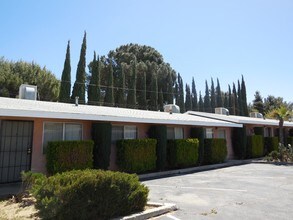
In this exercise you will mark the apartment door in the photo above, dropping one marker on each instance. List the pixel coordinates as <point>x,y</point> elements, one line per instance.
<point>15,149</point>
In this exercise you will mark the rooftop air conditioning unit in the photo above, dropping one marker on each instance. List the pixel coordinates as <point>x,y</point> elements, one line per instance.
<point>28,92</point>
<point>221,111</point>
<point>255,115</point>
<point>171,108</point>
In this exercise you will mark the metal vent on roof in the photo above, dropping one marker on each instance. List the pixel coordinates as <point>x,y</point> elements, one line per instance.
<point>171,108</point>
<point>28,92</point>
<point>221,111</point>
<point>255,115</point>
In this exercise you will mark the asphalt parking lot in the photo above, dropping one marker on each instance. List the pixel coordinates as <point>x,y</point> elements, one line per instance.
<point>251,191</point>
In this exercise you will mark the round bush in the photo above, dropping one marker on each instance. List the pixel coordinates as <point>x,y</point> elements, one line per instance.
<point>89,194</point>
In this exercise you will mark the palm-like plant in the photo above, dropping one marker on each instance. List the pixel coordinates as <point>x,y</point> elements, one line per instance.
<point>282,114</point>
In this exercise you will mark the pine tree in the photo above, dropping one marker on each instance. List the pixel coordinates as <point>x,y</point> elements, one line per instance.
<point>109,95</point>
<point>131,96</point>
<point>194,96</point>
<point>213,96</point>
<point>258,103</point>
<point>153,102</point>
<point>219,99</point>
<point>120,95</point>
<point>79,85</point>
<point>207,101</point>
<point>188,103</point>
<point>64,95</point>
<point>200,103</point>
<point>235,101</point>
<point>244,98</point>
<point>94,85</point>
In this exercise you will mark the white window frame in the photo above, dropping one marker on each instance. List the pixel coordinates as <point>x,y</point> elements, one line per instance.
<point>223,130</point>
<point>176,133</point>
<point>63,130</point>
<point>125,127</point>
<point>208,131</point>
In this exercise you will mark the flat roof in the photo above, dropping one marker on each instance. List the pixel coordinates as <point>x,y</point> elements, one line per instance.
<point>240,119</point>
<point>11,107</point>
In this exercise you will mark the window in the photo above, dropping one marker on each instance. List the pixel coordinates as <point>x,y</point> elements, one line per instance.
<point>123,132</point>
<point>54,131</point>
<point>209,133</point>
<point>267,132</point>
<point>174,133</point>
<point>222,133</point>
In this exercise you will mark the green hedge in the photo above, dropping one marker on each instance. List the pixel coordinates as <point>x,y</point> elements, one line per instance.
<point>239,140</point>
<point>101,135</point>
<point>136,156</point>
<point>182,152</point>
<point>159,132</point>
<point>69,155</point>
<point>89,194</point>
<point>255,146</point>
<point>270,144</point>
<point>198,132</point>
<point>215,150</point>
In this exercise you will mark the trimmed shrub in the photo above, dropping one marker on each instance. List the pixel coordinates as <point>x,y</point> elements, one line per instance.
<point>239,140</point>
<point>270,144</point>
<point>101,135</point>
<point>159,132</point>
<point>89,194</point>
<point>182,152</point>
<point>198,132</point>
<point>255,146</point>
<point>137,155</point>
<point>69,155</point>
<point>215,150</point>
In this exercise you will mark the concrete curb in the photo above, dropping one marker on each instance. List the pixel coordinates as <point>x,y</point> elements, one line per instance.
<point>161,208</point>
<point>193,169</point>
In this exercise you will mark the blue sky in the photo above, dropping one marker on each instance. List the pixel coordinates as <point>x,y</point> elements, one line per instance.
<point>209,38</point>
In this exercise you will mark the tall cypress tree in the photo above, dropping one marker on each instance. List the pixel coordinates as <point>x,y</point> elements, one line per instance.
<point>64,94</point>
<point>79,85</point>
<point>200,103</point>
<point>160,100</point>
<point>240,103</point>
<point>188,103</point>
<point>169,92</point>
<point>153,102</point>
<point>120,98</point>
<point>181,94</point>
<point>131,96</point>
<point>235,101</point>
<point>243,97</point>
<point>219,99</point>
<point>109,95</point>
<point>207,101</point>
<point>213,96</point>
<point>230,105</point>
<point>226,100</point>
<point>94,85</point>
<point>141,85</point>
<point>194,96</point>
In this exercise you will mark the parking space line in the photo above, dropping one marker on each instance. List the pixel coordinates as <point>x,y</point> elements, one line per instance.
<point>201,188</point>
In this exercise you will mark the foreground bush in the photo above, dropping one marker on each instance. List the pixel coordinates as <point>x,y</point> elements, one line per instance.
<point>137,155</point>
<point>182,152</point>
<point>255,146</point>
<point>89,194</point>
<point>283,154</point>
<point>215,150</point>
<point>69,155</point>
